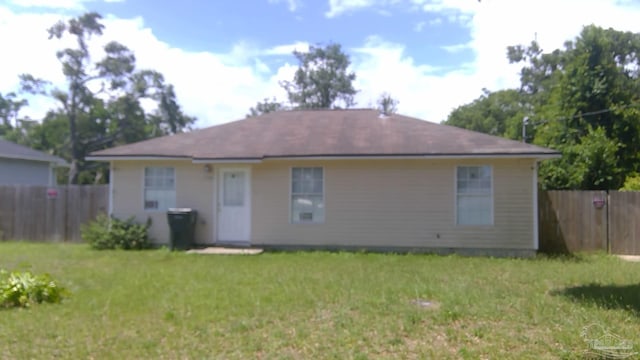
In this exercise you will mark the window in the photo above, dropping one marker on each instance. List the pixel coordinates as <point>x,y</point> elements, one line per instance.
<point>474,198</point>
<point>307,195</point>
<point>233,188</point>
<point>159,188</point>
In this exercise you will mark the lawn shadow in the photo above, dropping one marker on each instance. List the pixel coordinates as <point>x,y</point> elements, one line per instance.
<point>623,297</point>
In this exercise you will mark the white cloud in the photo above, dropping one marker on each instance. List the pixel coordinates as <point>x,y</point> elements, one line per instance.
<point>436,21</point>
<point>465,6</point>
<point>339,7</point>
<point>419,26</point>
<point>498,24</point>
<point>455,10</point>
<point>215,88</point>
<point>27,59</point>
<point>292,4</point>
<point>68,4</point>
<point>423,91</point>
<point>455,48</point>
<point>261,67</point>
<point>242,52</point>
<point>56,4</point>
<point>287,49</point>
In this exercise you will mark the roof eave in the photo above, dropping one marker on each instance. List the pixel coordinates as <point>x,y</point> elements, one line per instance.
<point>57,161</point>
<point>539,156</point>
<point>249,160</point>
<point>135,157</point>
<point>227,160</point>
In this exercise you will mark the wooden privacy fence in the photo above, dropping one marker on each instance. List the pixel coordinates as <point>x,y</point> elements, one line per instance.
<point>40,213</point>
<point>624,223</point>
<point>571,221</point>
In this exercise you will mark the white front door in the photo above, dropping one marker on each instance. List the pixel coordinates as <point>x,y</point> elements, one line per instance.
<point>234,205</point>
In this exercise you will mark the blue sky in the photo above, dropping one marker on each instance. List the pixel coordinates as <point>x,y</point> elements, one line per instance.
<point>218,25</point>
<point>224,56</point>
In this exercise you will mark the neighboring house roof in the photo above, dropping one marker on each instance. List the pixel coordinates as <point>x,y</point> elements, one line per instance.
<point>12,150</point>
<point>324,133</point>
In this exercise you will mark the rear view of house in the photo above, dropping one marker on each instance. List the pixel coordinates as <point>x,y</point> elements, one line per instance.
<point>20,165</point>
<point>336,179</point>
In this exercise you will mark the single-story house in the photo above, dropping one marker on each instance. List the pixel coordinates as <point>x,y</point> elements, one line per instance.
<point>21,165</point>
<point>350,179</point>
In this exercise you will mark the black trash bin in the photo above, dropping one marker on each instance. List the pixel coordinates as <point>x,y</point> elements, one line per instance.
<point>182,223</point>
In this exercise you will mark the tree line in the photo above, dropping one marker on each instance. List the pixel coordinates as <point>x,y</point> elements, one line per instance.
<point>582,100</point>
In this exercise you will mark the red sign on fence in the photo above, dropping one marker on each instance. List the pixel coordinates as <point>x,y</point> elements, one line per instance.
<point>598,202</point>
<point>52,193</point>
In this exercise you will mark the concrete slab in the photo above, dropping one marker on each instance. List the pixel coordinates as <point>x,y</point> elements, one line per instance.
<point>634,258</point>
<point>226,251</point>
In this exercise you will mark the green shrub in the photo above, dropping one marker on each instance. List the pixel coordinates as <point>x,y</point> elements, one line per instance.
<point>97,233</point>
<point>112,233</point>
<point>631,183</point>
<point>21,289</point>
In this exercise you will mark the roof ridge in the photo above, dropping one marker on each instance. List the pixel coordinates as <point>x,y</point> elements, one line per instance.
<point>329,109</point>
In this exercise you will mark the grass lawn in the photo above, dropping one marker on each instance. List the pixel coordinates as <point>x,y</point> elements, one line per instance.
<point>158,304</point>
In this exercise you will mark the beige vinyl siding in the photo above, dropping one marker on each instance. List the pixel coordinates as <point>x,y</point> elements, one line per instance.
<point>194,189</point>
<point>394,203</point>
<point>377,203</point>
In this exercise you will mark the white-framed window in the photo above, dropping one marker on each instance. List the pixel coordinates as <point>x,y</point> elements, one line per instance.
<point>159,188</point>
<point>307,195</point>
<point>474,195</point>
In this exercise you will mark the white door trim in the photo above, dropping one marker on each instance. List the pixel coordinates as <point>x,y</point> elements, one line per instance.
<point>245,237</point>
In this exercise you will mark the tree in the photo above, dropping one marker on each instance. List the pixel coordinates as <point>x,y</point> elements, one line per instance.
<point>101,101</point>
<point>588,165</point>
<point>322,80</point>
<point>265,107</point>
<point>583,100</point>
<point>631,183</point>
<point>587,94</point>
<point>386,104</point>
<point>9,109</point>
<point>499,113</point>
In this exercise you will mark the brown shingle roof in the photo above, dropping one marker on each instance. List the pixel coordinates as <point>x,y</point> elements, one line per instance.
<point>326,133</point>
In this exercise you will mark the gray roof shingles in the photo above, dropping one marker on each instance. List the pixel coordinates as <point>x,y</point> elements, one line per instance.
<point>325,133</point>
<point>12,150</point>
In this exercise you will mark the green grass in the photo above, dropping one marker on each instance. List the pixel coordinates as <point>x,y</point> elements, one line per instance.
<point>158,304</point>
